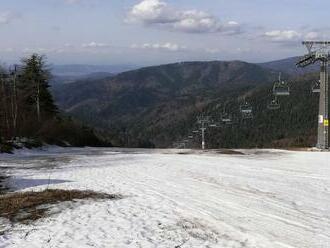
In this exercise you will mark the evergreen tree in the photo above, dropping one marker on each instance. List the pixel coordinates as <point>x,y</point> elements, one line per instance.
<point>27,110</point>
<point>34,84</point>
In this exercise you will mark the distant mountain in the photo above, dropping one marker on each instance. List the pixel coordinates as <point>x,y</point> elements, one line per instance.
<point>288,66</point>
<point>154,105</point>
<point>97,76</point>
<point>71,79</point>
<point>83,70</point>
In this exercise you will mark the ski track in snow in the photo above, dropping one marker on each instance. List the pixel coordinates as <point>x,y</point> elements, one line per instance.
<point>265,199</point>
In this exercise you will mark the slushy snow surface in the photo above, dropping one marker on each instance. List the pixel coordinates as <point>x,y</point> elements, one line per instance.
<point>265,198</point>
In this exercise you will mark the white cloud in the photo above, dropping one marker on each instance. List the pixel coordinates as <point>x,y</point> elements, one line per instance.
<point>283,35</point>
<point>152,12</point>
<point>290,36</point>
<point>94,44</point>
<point>158,12</point>
<point>312,36</point>
<point>6,17</point>
<point>41,50</point>
<point>219,51</point>
<point>197,22</point>
<point>168,46</point>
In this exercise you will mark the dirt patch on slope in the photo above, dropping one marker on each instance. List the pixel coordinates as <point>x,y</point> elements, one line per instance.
<point>3,186</point>
<point>24,207</point>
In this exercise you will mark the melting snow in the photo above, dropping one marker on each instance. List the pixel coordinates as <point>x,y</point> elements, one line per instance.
<point>266,198</point>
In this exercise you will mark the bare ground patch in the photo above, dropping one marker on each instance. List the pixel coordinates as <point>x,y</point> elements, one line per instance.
<point>3,186</point>
<point>211,151</point>
<point>229,152</point>
<point>25,207</point>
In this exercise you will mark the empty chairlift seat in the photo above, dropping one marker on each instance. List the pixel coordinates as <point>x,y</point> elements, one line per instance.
<point>274,105</point>
<point>316,87</point>
<point>226,119</point>
<point>246,110</point>
<point>281,88</point>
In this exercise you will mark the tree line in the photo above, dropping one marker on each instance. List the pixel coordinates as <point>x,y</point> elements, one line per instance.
<point>28,110</point>
<point>26,101</point>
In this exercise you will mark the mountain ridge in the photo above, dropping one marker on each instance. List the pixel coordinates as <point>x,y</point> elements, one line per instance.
<point>157,95</point>
<point>288,66</point>
<point>85,69</point>
<point>154,106</point>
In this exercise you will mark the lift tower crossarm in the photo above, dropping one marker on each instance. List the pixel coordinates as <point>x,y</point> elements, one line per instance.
<point>316,42</point>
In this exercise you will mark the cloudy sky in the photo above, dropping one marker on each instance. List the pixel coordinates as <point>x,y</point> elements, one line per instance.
<point>144,32</point>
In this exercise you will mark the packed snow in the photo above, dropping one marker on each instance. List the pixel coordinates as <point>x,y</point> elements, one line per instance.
<point>262,198</point>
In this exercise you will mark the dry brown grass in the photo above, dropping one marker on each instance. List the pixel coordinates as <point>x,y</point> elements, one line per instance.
<point>2,184</point>
<point>30,206</point>
<point>229,152</point>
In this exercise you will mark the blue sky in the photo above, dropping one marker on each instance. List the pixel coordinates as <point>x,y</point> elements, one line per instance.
<point>145,32</point>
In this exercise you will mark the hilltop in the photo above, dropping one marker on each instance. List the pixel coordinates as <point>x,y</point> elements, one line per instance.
<point>153,106</point>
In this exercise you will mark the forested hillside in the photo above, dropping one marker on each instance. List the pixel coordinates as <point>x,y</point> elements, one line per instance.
<point>288,66</point>
<point>293,125</point>
<point>28,114</point>
<point>155,106</point>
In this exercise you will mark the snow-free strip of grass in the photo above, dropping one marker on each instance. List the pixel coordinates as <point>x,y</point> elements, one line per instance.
<point>25,207</point>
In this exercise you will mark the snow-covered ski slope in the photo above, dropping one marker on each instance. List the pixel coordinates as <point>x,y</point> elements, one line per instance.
<point>265,198</point>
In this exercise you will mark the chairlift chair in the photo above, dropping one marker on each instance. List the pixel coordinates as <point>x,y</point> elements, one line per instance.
<point>274,105</point>
<point>246,111</point>
<point>226,119</point>
<point>281,88</point>
<point>316,87</point>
